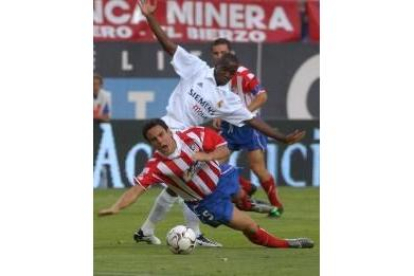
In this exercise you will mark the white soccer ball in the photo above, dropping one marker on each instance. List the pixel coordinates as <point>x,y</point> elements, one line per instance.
<point>181,240</point>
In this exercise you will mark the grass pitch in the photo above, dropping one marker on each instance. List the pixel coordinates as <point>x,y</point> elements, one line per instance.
<point>117,254</point>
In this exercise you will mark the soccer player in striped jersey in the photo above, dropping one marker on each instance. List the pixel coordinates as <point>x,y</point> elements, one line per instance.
<point>200,96</point>
<point>187,162</point>
<point>245,84</point>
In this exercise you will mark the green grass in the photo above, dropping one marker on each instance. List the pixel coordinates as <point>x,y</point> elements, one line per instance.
<point>116,254</point>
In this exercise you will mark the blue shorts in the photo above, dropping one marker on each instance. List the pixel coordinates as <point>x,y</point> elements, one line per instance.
<point>245,137</point>
<point>217,208</point>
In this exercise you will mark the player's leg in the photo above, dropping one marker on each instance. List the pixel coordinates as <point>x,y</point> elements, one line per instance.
<point>242,200</point>
<point>235,137</point>
<point>247,186</point>
<point>194,223</point>
<point>242,222</point>
<point>258,166</point>
<point>192,220</point>
<point>245,203</point>
<point>161,206</point>
<point>217,208</point>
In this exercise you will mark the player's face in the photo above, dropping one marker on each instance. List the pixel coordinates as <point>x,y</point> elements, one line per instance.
<point>96,85</point>
<point>223,75</point>
<point>218,51</point>
<point>161,139</point>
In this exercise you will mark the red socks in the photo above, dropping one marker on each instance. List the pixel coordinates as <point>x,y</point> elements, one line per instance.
<point>261,237</point>
<point>246,185</point>
<point>270,188</point>
<point>243,201</point>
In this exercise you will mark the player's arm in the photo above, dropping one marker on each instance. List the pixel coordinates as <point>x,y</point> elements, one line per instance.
<point>239,115</point>
<point>214,147</point>
<point>267,130</point>
<point>220,153</point>
<point>216,123</point>
<point>126,199</point>
<point>105,118</point>
<point>258,102</point>
<point>251,84</point>
<point>148,10</point>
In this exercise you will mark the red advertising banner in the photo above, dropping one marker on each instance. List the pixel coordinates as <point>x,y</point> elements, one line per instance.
<point>190,20</point>
<point>312,7</point>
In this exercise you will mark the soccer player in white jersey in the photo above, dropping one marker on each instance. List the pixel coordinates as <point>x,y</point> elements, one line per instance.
<point>253,95</point>
<point>187,162</point>
<point>201,95</point>
<point>101,101</point>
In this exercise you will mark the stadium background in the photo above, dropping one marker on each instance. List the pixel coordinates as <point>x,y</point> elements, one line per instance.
<point>277,39</point>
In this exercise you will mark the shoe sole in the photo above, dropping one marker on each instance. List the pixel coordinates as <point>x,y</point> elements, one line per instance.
<point>147,241</point>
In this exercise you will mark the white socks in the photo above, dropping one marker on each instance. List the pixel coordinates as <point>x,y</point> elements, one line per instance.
<point>161,206</point>
<point>192,220</point>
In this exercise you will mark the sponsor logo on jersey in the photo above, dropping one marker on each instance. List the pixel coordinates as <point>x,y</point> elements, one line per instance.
<point>202,103</point>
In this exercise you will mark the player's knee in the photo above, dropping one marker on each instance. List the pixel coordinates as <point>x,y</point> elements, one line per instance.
<point>248,224</point>
<point>258,169</point>
<point>250,228</point>
<point>171,192</point>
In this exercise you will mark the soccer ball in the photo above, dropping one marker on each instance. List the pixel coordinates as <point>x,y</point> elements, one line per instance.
<point>181,240</point>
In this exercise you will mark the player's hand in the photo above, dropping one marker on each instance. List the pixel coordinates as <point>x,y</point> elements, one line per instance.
<point>216,123</point>
<point>146,7</point>
<point>294,137</point>
<point>107,212</point>
<point>201,156</point>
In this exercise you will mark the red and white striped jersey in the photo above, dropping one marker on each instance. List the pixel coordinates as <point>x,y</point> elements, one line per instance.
<point>246,86</point>
<point>190,180</point>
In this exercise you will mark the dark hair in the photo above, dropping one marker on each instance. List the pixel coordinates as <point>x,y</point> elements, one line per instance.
<point>220,41</point>
<point>228,62</point>
<point>98,77</point>
<point>152,123</point>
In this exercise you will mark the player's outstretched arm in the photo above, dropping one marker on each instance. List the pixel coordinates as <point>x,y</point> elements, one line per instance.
<point>148,10</point>
<point>267,130</point>
<point>126,199</point>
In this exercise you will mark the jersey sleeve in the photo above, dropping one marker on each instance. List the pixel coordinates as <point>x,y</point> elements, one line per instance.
<point>212,140</point>
<point>147,177</point>
<point>233,111</point>
<point>185,64</point>
<point>252,85</point>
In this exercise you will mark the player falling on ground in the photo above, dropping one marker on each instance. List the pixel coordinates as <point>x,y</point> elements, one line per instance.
<point>200,96</point>
<point>245,84</point>
<point>180,160</point>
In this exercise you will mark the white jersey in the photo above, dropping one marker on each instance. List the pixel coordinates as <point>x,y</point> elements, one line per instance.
<point>197,98</point>
<point>102,104</point>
